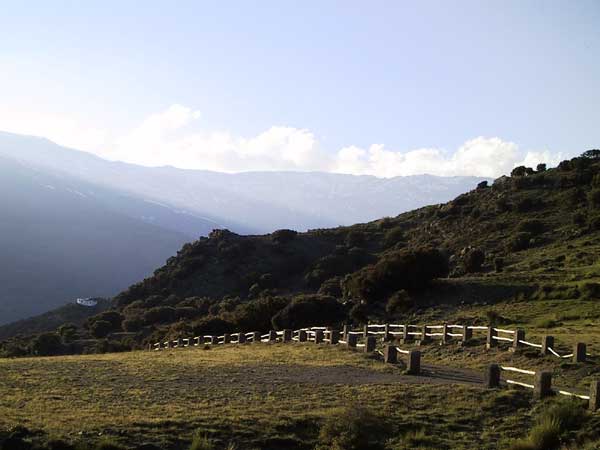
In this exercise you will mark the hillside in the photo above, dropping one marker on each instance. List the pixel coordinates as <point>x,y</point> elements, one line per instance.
<point>530,236</point>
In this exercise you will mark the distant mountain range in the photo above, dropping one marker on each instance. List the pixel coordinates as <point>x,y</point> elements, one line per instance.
<point>73,224</point>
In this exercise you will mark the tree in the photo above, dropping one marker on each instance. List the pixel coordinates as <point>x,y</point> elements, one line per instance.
<point>47,344</point>
<point>541,167</point>
<point>473,260</point>
<point>404,269</point>
<point>591,154</point>
<point>482,185</point>
<point>307,310</point>
<point>519,171</point>
<point>101,328</point>
<point>67,332</point>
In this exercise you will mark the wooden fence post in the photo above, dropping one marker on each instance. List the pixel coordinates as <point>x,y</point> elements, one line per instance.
<point>492,376</point>
<point>390,355</point>
<point>226,338</point>
<point>272,336</point>
<point>256,337</point>
<point>445,337</point>
<point>542,386</point>
<point>365,331</point>
<point>334,337</point>
<point>414,362</point>
<point>370,344</point>
<point>241,338</point>
<point>579,351</point>
<point>318,336</point>
<point>345,331</point>
<point>386,333</point>
<point>424,338</point>
<point>594,403</point>
<point>491,342</point>
<point>351,340</point>
<point>214,340</point>
<point>547,342</point>
<point>302,336</point>
<point>518,336</point>
<point>405,335</point>
<point>287,335</point>
<point>467,335</point>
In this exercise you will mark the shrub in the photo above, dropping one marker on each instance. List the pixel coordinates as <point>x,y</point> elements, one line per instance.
<point>499,264</point>
<point>355,428</point>
<point>355,238</point>
<point>591,154</point>
<point>533,226</point>
<point>473,260</point>
<point>404,269</point>
<point>526,204</point>
<point>283,236</point>
<point>565,166</point>
<point>519,242</point>
<point>256,315</point>
<point>67,332</point>
<point>113,317</point>
<point>594,197</point>
<point>359,313</point>
<point>159,314</point>
<point>482,185</point>
<point>201,442</point>
<point>393,236</point>
<point>590,290</point>
<point>331,287</point>
<point>545,435</point>
<point>307,310</point>
<point>519,171</point>
<point>133,324</point>
<point>399,302</point>
<point>47,344</point>
<point>212,326</point>
<point>101,328</point>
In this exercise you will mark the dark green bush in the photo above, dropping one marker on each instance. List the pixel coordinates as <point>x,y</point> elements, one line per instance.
<point>212,326</point>
<point>133,324</point>
<point>101,328</point>
<point>398,303</point>
<point>473,260</point>
<point>519,242</point>
<point>159,314</point>
<point>283,236</point>
<point>47,344</point>
<point>533,226</point>
<point>405,269</point>
<point>308,310</point>
<point>594,197</point>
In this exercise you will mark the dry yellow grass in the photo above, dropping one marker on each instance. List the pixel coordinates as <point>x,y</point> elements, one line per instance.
<point>262,396</point>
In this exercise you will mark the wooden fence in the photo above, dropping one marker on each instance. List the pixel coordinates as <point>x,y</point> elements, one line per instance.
<point>366,338</point>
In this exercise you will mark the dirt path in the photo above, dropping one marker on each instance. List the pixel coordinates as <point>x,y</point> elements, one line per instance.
<point>353,376</point>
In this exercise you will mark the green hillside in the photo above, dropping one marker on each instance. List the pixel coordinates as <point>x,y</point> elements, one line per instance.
<point>531,236</point>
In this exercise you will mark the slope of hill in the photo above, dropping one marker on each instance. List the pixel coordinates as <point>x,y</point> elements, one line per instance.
<point>530,236</point>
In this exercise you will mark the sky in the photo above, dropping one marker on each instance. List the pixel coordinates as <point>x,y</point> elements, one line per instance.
<point>384,88</point>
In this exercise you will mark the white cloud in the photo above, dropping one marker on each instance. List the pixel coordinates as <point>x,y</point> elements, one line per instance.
<point>175,137</point>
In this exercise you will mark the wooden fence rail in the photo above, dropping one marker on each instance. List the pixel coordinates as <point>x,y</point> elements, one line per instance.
<point>366,340</point>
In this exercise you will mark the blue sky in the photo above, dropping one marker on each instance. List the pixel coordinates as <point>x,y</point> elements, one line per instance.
<point>386,88</point>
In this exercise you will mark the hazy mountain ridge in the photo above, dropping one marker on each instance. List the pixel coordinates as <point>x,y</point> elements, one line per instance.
<point>250,202</point>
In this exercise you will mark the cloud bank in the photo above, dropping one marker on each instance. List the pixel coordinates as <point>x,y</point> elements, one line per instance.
<point>175,137</point>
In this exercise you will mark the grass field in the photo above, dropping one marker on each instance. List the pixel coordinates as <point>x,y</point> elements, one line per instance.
<point>256,396</point>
